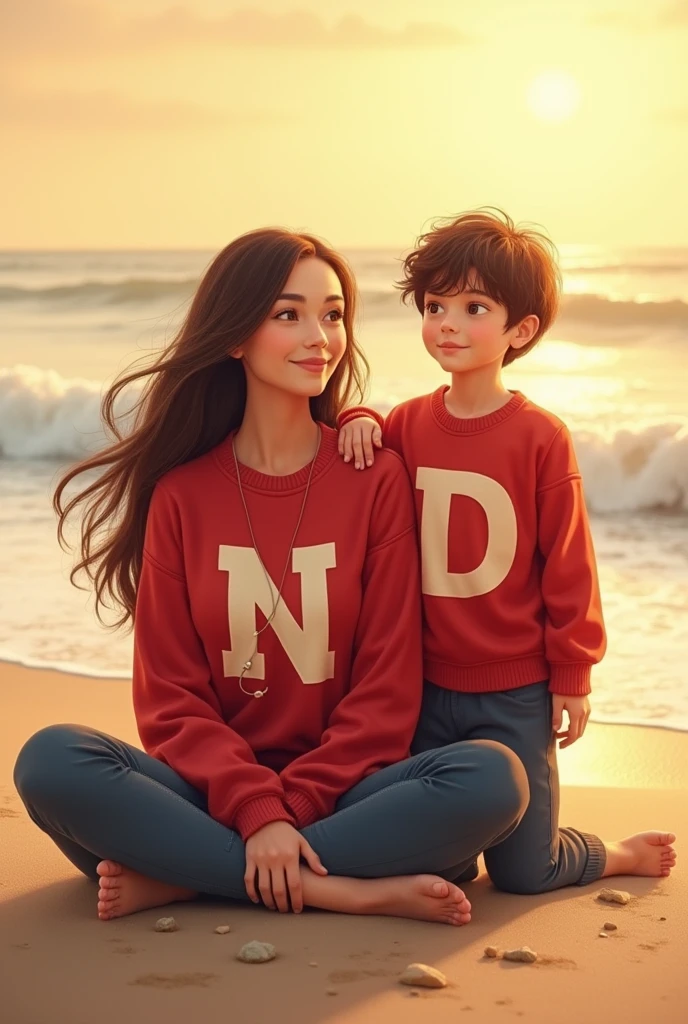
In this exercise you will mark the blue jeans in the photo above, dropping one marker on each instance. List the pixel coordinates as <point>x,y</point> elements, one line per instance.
<point>99,798</point>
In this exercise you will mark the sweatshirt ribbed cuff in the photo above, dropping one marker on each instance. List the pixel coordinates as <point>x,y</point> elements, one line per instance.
<point>303,809</point>
<point>570,680</point>
<point>597,858</point>
<point>355,412</point>
<point>260,811</point>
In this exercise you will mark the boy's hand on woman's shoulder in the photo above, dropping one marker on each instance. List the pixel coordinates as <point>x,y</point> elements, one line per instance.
<point>578,712</point>
<point>358,439</point>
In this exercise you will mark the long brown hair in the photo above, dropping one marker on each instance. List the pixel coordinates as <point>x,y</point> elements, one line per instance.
<point>194,396</point>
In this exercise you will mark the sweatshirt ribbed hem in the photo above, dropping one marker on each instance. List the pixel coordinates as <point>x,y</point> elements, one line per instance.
<point>476,424</point>
<point>260,811</point>
<point>597,858</point>
<point>570,680</point>
<point>497,675</point>
<point>302,807</point>
<point>253,480</point>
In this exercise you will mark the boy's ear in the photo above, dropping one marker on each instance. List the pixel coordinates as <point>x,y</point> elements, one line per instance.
<point>525,331</point>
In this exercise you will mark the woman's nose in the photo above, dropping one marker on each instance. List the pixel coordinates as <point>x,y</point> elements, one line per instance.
<point>318,338</point>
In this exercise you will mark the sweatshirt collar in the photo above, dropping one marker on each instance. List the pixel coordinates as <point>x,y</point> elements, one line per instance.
<point>256,481</point>
<point>477,424</point>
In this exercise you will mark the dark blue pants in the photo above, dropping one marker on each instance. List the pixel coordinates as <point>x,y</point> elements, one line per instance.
<point>99,798</point>
<point>538,856</point>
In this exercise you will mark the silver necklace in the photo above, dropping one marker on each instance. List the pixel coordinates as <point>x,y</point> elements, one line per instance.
<point>275,602</point>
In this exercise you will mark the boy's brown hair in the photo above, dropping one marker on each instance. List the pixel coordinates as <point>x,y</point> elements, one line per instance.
<point>516,266</point>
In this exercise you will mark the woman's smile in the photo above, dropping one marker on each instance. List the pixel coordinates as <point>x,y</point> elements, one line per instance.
<point>314,364</point>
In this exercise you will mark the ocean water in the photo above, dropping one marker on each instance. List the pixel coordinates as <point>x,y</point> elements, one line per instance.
<point>613,366</point>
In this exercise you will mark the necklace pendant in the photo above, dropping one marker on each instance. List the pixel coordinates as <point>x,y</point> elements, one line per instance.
<point>247,664</point>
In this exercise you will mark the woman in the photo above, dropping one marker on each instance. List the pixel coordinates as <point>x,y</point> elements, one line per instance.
<point>277,656</point>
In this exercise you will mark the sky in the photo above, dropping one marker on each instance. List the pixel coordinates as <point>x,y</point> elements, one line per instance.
<point>167,124</point>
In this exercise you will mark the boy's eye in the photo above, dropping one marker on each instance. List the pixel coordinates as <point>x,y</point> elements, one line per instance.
<point>475,307</point>
<point>433,307</point>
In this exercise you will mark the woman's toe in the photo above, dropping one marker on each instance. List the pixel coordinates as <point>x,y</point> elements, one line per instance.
<point>108,868</point>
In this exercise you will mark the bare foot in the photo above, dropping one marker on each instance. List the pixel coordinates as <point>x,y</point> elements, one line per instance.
<point>422,897</point>
<point>646,853</point>
<point>123,891</point>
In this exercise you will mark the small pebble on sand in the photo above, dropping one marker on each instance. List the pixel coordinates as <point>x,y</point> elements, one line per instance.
<point>313,963</point>
<point>492,952</point>
<point>609,926</point>
<point>222,929</point>
<point>256,952</point>
<point>524,955</point>
<point>603,935</point>
<point>614,896</point>
<point>166,924</point>
<point>332,992</point>
<point>423,976</point>
<point>662,919</point>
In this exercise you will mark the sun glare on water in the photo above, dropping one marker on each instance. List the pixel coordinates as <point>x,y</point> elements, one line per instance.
<point>554,96</point>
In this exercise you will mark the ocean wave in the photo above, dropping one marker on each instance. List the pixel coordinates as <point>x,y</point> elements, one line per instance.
<point>605,312</point>
<point>72,668</point>
<point>135,290</point>
<point>585,308</point>
<point>376,302</point>
<point>45,416</point>
<point>625,268</point>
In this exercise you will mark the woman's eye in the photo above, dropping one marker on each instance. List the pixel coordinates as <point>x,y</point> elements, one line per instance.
<point>433,307</point>
<point>473,308</point>
<point>290,313</point>
<point>335,314</point>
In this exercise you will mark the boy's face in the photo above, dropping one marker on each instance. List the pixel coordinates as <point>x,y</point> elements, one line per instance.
<point>465,331</point>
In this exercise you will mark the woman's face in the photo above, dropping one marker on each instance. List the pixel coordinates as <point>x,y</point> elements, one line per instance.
<point>300,344</point>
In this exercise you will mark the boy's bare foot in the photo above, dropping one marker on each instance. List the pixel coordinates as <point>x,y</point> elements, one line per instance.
<point>422,897</point>
<point>646,853</point>
<point>123,891</point>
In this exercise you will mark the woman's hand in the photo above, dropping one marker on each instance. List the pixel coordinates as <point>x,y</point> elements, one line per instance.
<point>357,438</point>
<point>578,711</point>
<point>273,853</point>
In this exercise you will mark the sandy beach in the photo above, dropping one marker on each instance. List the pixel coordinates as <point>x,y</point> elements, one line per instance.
<point>60,965</point>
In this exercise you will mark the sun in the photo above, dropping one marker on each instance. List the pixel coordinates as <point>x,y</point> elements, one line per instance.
<point>554,96</point>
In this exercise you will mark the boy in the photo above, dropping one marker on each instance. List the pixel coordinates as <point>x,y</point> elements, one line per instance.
<point>513,622</point>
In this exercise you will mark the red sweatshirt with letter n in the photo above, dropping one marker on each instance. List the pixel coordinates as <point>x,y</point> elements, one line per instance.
<point>510,590</point>
<point>341,659</point>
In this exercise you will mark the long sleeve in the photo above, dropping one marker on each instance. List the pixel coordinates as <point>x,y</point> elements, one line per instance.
<point>574,629</point>
<point>357,411</point>
<point>390,425</point>
<point>177,710</point>
<point>374,723</point>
